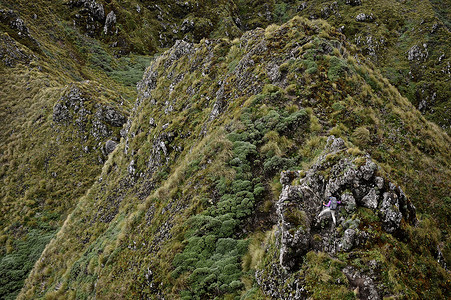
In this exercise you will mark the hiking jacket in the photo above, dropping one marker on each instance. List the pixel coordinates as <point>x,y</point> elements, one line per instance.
<point>328,204</point>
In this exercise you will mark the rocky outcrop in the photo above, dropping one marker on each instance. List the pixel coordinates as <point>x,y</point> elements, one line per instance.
<point>17,28</point>
<point>11,52</point>
<point>89,119</point>
<point>418,53</point>
<point>362,17</point>
<point>92,7</point>
<point>110,23</point>
<point>89,15</point>
<point>356,184</point>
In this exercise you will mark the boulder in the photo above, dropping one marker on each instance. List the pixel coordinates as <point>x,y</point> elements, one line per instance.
<point>347,242</point>
<point>110,23</point>
<point>91,6</point>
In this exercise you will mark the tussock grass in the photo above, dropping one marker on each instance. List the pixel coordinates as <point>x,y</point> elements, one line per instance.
<point>169,217</point>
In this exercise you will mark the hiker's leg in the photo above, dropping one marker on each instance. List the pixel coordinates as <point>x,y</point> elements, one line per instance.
<point>332,212</point>
<point>323,212</point>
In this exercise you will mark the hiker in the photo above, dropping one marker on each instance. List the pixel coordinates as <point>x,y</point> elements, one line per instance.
<point>330,207</point>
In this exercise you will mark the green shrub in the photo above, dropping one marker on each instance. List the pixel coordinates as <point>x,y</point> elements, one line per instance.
<point>276,164</point>
<point>293,122</point>
<point>337,68</point>
<point>15,266</point>
<point>361,136</point>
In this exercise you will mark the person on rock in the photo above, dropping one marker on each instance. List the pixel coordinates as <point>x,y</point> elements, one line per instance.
<point>330,207</point>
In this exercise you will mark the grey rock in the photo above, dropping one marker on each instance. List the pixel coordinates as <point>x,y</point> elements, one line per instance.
<point>93,7</point>
<point>390,213</point>
<point>354,2</point>
<point>131,168</point>
<point>99,130</point>
<point>110,146</point>
<point>418,53</point>
<point>300,230</point>
<point>368,169</point>
<point>295,238</point>
<point>379,182</point>
<point>218,107</point>
<point>180,48</point>
<point>334,144</point>
<point>273,72</point>
<point>362,17</point>
<point>70,105</point>
<point>349,202</point>
<point>187,25</point>
<point>147,84</point>
<point>110,23</point>
<point>286,177</point>
<point>110,116</point>
<point>347,241</point>
<point>367,287</point>
<point>370,200</point>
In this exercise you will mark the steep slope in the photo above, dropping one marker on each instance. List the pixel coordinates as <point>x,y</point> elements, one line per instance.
<point>407,40</point>
<point>60,115</point>
<point>185,204</point>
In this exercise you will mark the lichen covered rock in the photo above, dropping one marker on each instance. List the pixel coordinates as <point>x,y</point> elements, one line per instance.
<point>81,114</point>
<point>356,186</point>
<point>357,182</point>
<point>12,53</point>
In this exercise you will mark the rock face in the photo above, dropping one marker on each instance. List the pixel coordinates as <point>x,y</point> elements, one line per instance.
<point>17,28</point>
<point>93,8</point>
<point>356,183</point>
<point>110,23</point>
<point>90,15</point>
<point>92,121</point>
<point>356,186</point>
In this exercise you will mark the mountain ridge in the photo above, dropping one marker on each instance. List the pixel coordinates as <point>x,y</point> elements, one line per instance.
<point>186,209</point>
<point>230,112</point>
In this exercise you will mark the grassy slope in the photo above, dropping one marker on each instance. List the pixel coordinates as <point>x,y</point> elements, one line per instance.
<point>152,224</point>
<point>394,29</point>
<point>44,169</point>
<point>36,200</point>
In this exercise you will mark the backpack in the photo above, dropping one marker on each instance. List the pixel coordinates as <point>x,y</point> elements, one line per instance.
<point>333,203</point>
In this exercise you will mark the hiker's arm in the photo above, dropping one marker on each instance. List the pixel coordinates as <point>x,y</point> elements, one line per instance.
<point>327,205</point>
